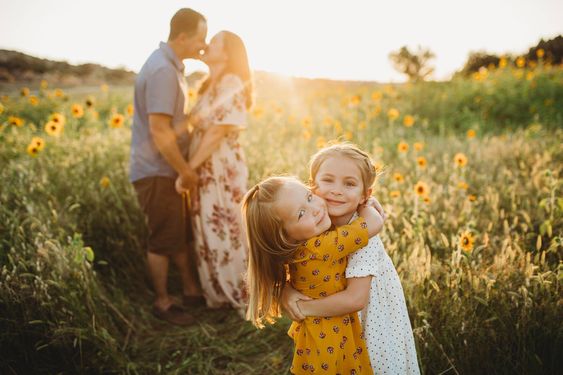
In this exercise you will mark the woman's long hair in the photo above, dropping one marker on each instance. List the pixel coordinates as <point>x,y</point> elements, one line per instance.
<point>269,249</point>
<point>237,63</point>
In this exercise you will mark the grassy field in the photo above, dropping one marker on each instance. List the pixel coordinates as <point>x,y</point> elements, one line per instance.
<point>470,176</point>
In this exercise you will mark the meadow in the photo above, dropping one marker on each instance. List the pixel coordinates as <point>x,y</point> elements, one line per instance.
<point>470,176</point>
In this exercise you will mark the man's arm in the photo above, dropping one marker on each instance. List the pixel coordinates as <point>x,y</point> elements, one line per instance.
<point>165,139</point>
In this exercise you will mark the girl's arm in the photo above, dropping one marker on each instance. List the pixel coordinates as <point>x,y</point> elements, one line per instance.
<point>354,298</point>
<point>372,218</point>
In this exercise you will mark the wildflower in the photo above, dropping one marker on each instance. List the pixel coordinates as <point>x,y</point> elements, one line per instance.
<point>376,96</point>
<point>426,200</point>
<point>502,62</point>
<point>90,101</point>
<point>24,91</point>
<point>421,162</point>
<point>462,185</point>
<point>38,142</point>
<point>33,100</point>
<point>321,142</point>
<point>418,146</point>
<point>54,129</point>
<point>460,160</point>
<point>376,111</point>
<point>540,53</point>
<point>393,114</point>
<point>521,62</point>
<point>529,76</point>
<point>472,198</point>
<point>466,241</point>
<point>116,120</point>
<point>15,121</point>
<point>57,118</point>
<point>355,100</point>
<point>421,189</point>
<point>402,146</point>
<point>398,177</point>
<point>408,121</point>
<point>395,194</point>
<point>471,133</point>
<point>32,150</point>
<point>258,112</point>
<point>130,110</point>
<point>77,111</point>
<point>104,182</point>
<point>59,93</point>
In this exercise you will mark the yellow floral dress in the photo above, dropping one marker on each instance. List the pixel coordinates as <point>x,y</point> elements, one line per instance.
<point>331,345</point>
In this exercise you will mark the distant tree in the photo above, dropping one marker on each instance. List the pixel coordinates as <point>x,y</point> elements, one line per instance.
<point>477,60</point>
<point>552,51</point>
<point>414,65</point>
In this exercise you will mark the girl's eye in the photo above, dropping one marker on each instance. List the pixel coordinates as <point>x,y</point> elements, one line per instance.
<point>350,184</point>
<point>300,215</point>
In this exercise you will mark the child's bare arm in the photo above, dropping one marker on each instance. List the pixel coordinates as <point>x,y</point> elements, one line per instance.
<point>373,219</point>
<point>352,299</point>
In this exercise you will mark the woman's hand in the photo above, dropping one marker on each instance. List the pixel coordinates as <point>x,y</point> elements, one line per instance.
<point>289,299</point>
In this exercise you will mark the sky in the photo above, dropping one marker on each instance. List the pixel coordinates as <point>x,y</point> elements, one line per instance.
<point>348,39</point>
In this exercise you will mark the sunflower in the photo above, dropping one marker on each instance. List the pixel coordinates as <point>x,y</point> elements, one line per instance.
<point>90,101</point>
<point>466,241</point>
<point>376,96</point>
<point>540,53</point>
<point>460,160</point>
<point>54,129</point>
<point>403,146</point>
<point>321,142</point>
<point>33,100</point>
<point>348,135</point>
<point>104,182</point>
<point>520,62</point>
<point>116,120</point>
<point>57,118</point>
<point>38,142</point>
<point>130,110</point>
<point>502,62</point>
<point>426,199</point>
<point>258,112</point>
<point>306,134</point>
<point>32,150</point>
<point>394,194</point>
<point>471,133</point>
<point>398,177</point>
<point>77,111</point>
<point>472,198</point>
<point>421,189</point>
<point>24,91</point>
<point>462,185</point>
<point>15,121</point>
<point>306,122</point>
<point>362,125</point>
<point>59,93</point>
<point>418,146</point>
<point>44,84</point>
<point>421,162</point>
<point>355,100</point>
<point>393,114</point>
<point>408,121</point>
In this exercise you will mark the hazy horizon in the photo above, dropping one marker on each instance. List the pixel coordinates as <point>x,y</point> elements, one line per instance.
<point>334,40</point>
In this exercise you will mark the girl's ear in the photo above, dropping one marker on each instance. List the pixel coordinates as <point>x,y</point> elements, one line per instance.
<point>366,196</point>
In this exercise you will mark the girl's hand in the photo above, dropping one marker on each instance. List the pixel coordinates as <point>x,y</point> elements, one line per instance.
<point>373,219</point>
<point>289,299</point>
<point>373,202</point>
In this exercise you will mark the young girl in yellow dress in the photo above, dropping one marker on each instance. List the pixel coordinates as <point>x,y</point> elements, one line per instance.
<point>288,227</point>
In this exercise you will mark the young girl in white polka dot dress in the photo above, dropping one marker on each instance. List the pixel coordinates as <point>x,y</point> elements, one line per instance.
<point>343,175</point>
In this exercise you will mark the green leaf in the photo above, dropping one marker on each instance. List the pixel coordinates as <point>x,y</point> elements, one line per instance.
<point>89,254</point>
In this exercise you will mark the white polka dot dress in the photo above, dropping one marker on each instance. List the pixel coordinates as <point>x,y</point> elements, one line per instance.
<point>385,319</point>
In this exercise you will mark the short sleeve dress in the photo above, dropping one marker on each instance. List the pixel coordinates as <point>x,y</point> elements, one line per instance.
<point>385,319</point>
<point>331,345</point>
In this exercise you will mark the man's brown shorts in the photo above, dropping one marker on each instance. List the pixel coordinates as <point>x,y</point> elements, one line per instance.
<point>167,215</point>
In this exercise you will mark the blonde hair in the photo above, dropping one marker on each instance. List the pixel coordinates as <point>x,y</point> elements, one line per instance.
<point>347,150</point>
<point>269,249</point>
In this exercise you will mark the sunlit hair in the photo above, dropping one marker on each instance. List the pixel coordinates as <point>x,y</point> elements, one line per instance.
<point>237,63</point>
<point>186,21</point>
<point>344,150</point>
<point>269,249</point>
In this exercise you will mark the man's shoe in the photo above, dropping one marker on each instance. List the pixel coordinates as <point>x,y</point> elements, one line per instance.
<point>174,314</point>
<point>193,301</point>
